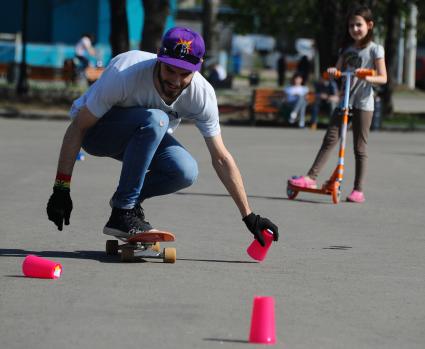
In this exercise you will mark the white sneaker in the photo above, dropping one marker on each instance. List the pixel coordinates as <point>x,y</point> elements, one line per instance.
<point>292,117</point>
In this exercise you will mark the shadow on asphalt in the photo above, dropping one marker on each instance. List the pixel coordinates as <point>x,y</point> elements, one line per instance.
<point>254,197</point>
<point>214,260</point>
<point>407,153</point>
<point>227,195</point>
<point>94,255</point>
<point>99,256</point>
<point>337,248</point>
<point>226,340</point>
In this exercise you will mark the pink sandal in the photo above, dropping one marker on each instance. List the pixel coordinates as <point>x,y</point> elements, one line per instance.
<point>303,182</point>
<point>356,196</point>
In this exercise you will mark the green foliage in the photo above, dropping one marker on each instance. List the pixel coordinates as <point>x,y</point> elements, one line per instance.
<point>265,16</point>
<point>421,22</point>
<point>304,18</point>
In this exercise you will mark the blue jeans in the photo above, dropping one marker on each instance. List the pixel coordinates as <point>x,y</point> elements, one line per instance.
<point>298,107</point>
<point>153,162</point>
<point>318,103</point>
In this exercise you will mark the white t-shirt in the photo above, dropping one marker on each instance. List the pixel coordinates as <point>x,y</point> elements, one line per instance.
<point>128,82</point>
<point>83,46</point>
<point>293,92</point>
<point>361,92</point>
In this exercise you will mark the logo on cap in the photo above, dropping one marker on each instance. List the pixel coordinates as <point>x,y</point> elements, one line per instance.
<point>183,47</point>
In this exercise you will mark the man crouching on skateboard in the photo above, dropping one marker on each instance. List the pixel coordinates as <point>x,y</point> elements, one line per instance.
<point>129,114</point>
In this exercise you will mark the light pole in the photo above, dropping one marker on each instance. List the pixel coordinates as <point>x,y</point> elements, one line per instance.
<point>22,87</point>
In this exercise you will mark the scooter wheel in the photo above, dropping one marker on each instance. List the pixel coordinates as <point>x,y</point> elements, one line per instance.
<point>292,194</point>
<point>336,193</point>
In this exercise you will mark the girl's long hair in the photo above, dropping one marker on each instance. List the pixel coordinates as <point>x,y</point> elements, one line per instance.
<point>366,13</point>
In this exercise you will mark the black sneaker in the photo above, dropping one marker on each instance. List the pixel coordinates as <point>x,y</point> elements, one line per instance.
<point>139,212</point>
<point>125,223</point>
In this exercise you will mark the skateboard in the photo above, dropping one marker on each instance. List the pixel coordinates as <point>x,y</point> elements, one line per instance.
<point>143,245</point>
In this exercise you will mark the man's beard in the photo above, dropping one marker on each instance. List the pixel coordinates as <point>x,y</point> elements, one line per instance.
<point>165,90</point>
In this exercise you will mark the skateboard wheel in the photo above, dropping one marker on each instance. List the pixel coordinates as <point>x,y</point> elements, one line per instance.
<point>156,247</point>
<point>292,194</point>
<point>336,193</point>
<point>127,255</point>
<point>169,255</point>
<point>111,247</point>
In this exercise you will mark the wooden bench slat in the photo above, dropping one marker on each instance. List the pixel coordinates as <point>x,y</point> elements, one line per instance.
<point>54,74</point>
<point>266,101</point>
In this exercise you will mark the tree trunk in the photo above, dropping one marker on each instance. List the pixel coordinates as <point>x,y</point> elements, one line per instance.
<point>119,27</point>
<point>332,28</point>
<point>209,28</point>
<point>391,42</point>
<point>156,12</point>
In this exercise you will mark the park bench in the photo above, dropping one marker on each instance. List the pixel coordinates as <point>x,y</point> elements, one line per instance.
<point>3,70</point>
<point>267,101</point>
<point>65,74</point>
<point>46,73</point>
<point>40,73</point>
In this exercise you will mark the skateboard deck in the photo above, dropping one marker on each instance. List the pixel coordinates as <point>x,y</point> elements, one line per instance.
<point>152,236</point>
<point>143,245</point>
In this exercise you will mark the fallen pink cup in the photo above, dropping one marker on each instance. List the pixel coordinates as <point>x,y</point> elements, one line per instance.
<point>263,329</point>
<point>258,252</point>
<point>38,267</point>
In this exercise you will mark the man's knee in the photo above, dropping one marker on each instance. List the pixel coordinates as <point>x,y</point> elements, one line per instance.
<point>187,172</point>
<point>153,126</point>
<point>157,120</point>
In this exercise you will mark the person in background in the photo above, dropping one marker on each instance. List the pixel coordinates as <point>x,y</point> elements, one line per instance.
<point>281,69</point>
<point>83,50</point>
<point>326,97</point>
<point>358,52</point>
<point>295,99</point>
<point>304,68</point>
<point>217,75</point>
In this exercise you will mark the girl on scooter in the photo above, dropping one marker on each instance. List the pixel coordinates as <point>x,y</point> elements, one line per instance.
<point>358,52</point>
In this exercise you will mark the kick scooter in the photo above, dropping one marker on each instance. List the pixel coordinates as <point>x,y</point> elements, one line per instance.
<point>333,185</point>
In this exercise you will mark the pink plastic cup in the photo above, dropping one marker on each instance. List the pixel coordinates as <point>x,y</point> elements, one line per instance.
<point>38,267</point>
<point>262,321</point>
<point>258,252</point>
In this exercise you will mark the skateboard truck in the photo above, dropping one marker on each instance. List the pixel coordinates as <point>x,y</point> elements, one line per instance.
<point>143,245</point>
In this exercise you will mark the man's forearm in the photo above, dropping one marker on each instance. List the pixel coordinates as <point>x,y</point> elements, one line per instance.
<point>70,147</point>
<point>230,176</point>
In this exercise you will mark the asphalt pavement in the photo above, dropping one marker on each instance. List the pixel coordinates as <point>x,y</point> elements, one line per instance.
<point>342,276</point>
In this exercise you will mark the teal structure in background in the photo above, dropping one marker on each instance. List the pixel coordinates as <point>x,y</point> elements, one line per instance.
<point>54,27</point>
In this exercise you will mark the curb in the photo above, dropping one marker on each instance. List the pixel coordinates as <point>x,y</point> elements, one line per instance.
<point>33,115</point>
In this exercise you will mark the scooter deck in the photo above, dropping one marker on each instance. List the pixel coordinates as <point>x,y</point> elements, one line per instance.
<point>331,188</point>
<point>325,189</point>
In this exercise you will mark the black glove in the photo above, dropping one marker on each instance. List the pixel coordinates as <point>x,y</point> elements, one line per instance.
<point>59,207</point>
<point>257,224</point>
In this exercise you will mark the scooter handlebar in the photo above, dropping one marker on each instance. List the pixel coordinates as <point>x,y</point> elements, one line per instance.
<point>328,76</point>
<point>360,73</point>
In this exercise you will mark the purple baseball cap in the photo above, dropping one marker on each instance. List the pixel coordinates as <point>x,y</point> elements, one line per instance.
<point>182,48</point>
